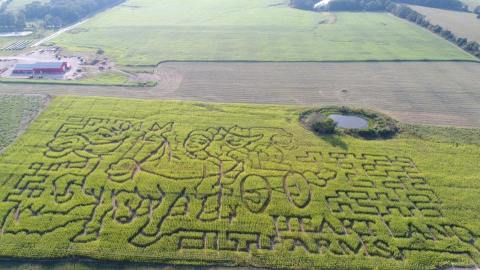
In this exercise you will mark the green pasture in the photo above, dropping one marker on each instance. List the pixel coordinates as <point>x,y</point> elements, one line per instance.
<point>101,79</point>
<point>145,32</point>
<point>218,184</point>
<point>15,112</point>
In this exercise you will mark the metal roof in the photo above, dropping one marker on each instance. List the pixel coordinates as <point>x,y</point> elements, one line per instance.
<point>39,65</point>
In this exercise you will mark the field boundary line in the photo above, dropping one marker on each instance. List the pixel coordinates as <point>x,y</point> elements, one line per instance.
<point>308,61</point>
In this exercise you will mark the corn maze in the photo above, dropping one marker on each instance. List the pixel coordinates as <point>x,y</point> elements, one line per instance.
<point>233,190</point>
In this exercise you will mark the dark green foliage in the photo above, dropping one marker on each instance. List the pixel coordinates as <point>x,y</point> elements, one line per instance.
<point>303,4</point>
<point>442,4</point>
<point>380,126</point>
<point>411,15</point>
<point>381,5</point>
<point>57,13</point>
<point>355,5</point>
<point>11,22</point>
<point>477,10</point>
<point>324,126</point>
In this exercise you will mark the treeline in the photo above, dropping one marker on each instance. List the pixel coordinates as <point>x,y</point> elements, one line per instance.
<point>357,5</point>
<point>343,5</point>
<point>4,5</point>
<point>409,14</point>
<point>58,13</point>
<point>303,4</point>
<point>377,5</point>
<point>442,4</point>
<point>10,21</point>
<point>51,14</point>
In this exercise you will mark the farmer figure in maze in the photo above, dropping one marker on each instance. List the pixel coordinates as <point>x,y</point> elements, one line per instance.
<point>121,195</point>
<point>55,188</point>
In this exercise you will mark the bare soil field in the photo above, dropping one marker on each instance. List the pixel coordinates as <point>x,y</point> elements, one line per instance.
<point>463,24</point>
<point>440,93</point>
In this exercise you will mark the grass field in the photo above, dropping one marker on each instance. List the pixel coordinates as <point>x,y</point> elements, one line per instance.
<point>103,79</point>
<point>15,112</point>
<point>200,183</point>
<point>150,31</point>
<point>461,23</point>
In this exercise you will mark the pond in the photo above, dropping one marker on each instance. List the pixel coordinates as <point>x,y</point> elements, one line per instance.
<point>16,34</point>
<point>349,121</point>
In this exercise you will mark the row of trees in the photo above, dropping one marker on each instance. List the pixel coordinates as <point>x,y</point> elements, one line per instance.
<point>10,21</point>
<point>58,13</point>
<point>409,14</point>
<point>303,4</point>
<point>357,5</point>
<point>377,5</point>
<point>52,14</point>
<point>443,4</point>
<point>3,5</point>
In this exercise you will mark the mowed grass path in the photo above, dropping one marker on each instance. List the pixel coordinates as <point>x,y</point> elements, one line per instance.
<point>150,31</point>
<point>202,183</point>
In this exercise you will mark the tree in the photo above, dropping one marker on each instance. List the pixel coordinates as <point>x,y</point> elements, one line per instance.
<point>303,4</point>
<point>20,21</point>
<point>443,4</point>
<point>324,126</point>
<point>58,13</point>
<point>477,10</point>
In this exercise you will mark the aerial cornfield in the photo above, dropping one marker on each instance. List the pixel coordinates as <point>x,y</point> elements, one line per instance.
<point>199,183</point>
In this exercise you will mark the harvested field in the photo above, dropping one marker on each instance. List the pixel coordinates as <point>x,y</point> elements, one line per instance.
<point>462,24</point>
<point>442,93</point>
<point>228,184</point>
<point>435,93</point>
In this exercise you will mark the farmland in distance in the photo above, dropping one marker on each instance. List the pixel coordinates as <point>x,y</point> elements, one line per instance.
<point>202,183</point>
<point>141,32</point>
<point>463,24</point>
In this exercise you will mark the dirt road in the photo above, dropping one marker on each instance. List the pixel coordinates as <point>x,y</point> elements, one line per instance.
<point>441,93</point>
<point>59,32</point>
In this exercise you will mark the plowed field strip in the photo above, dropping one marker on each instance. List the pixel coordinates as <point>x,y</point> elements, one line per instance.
<point>443,93</point>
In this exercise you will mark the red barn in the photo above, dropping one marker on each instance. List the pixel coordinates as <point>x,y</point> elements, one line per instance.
<point>41,68</point>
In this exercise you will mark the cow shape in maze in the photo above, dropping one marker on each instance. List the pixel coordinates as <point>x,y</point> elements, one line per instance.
<point>228,188</point>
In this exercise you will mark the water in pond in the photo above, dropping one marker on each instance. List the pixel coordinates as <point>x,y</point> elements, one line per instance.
<point>16,34</point>
<point>349,121</point>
